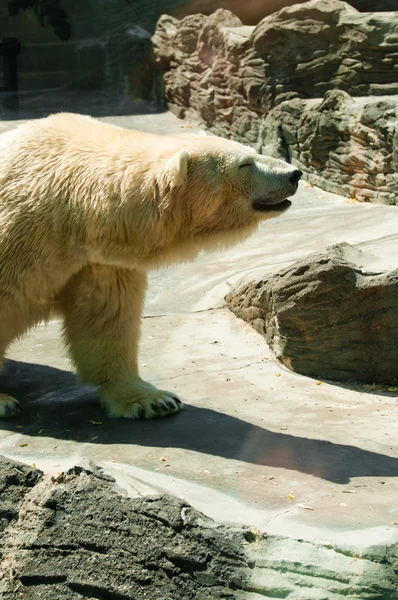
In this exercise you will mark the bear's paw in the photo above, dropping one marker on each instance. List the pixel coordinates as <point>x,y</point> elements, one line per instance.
<point>9,406</point>
<point>138,399</point>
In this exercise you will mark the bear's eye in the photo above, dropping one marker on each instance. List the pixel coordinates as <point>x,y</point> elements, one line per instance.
<point>246,164</point>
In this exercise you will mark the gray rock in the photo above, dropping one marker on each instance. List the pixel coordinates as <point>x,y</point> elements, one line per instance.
<point>76,536</point>
<point>264,86</point>
<point>328,316</point>
<point>16,480</point>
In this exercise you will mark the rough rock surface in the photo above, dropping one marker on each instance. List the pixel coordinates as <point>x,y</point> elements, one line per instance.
<point>77,536</point>
<point>213,63</point>
<point>328,316</point>
<point>252,11</point>
<point>344,145</point>
<point>234,79</point>
<point>16,480</point>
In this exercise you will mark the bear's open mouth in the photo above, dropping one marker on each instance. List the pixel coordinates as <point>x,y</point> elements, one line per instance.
<point>265,206</point>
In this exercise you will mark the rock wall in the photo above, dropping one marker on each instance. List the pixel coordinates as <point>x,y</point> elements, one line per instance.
<point>344,145</point>
<point>329,316</point>
<point>251,12</point>
<point>261,84</point>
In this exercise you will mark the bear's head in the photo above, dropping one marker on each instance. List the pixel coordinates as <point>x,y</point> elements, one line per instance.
<point>214,192</point>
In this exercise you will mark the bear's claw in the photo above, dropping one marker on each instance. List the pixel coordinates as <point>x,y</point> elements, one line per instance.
<point>9,406</point>
<point>139,400</point>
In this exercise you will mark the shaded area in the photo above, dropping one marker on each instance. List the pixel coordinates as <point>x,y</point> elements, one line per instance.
<point>49,13</point>
<point>85,46</point>
<point>55,405</point>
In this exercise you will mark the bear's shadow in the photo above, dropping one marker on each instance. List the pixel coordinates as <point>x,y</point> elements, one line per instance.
<point>55,405</point>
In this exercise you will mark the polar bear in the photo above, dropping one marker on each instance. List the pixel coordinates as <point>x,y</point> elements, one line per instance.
<point>87,208</point>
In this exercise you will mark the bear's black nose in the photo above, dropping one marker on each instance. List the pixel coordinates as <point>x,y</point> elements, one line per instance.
<point>296,176</point>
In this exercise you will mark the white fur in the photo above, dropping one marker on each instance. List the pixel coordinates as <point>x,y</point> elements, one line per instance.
<point>86,209</point>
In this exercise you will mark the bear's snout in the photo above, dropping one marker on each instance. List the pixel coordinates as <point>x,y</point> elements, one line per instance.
<point>284,185</point>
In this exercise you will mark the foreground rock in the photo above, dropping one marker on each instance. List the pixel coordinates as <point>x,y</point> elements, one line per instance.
<point>16,481</point>
<point>263,86</point>
<point>328,316</point>
<point>77,537</point>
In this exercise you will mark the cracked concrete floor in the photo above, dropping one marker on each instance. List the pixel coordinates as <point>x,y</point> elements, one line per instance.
<point>256,444</point>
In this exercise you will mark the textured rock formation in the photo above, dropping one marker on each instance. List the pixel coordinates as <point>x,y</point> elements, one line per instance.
<point>77,537</point>
<point>344,145</point>
<point>16,480</point>
<point>301,51</point>
<point>246,82</point>
<point>252,11</point>
<point>328,316</point>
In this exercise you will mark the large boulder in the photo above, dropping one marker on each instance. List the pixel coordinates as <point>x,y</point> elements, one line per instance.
<point>330,316</point>
<point>77,536</point>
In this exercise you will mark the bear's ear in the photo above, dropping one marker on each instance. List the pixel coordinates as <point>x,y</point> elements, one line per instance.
<point>174,173</point>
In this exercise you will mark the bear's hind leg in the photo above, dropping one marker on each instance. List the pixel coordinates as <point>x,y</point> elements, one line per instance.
<point>102,308</point>
<point>9,406</point>
<point>13,323</point>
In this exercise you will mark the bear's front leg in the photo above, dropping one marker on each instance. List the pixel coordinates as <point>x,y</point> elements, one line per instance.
<point>102,308</point>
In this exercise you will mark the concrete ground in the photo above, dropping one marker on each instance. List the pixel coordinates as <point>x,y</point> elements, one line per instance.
<point>256,444</point>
